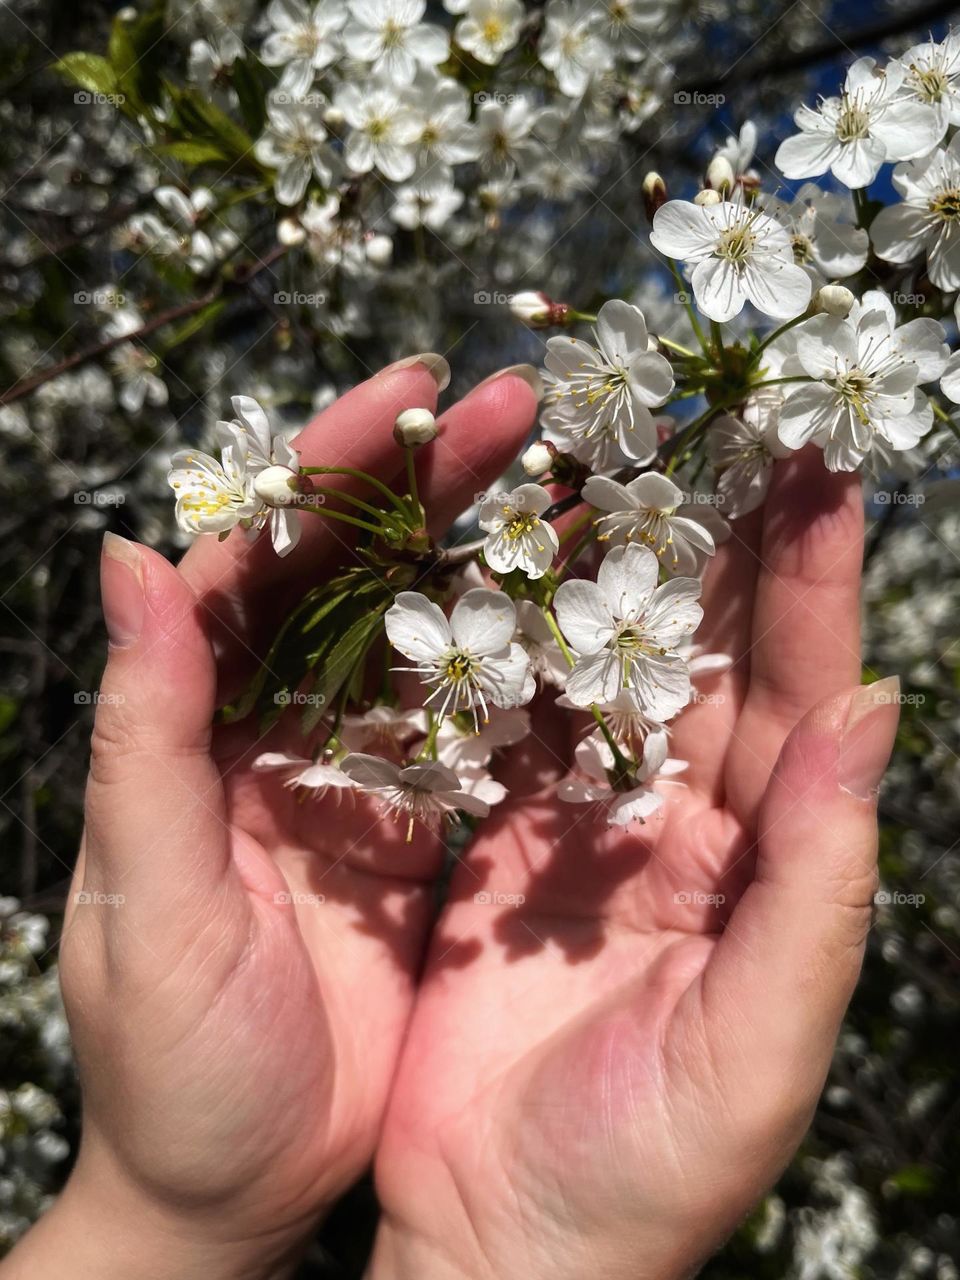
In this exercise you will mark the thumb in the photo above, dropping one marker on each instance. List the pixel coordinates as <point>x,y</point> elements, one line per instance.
<point>788,961</point>
<point>156,828</point>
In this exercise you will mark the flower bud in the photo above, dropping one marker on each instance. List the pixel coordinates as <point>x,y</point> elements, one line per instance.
<point>720,175</point>
<point>706,197</point>
<point>290,232</point>
<point>536,309</point>
<point>276,486</point>
<point>379,250</point>
<point>654,193</point>
<point>414,427</point>
<point>333,117</point>
<point>833,300</point>
<point>538,459</point>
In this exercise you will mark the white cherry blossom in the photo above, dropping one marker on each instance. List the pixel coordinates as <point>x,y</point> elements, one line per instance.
<point>294,144</point>
<point>650,509</point>
<point>599,398</point>
<point>932,76</point>
<point>390,35</point>
<point>927,221</point>
<point>572,46</point>
<point>516,536</point>
<point>426,792</point>
<point>853,134</point>
<point>489,28</point>
<point>383,129</point>
<point>470,661</point>
<point>300,774</point>
<point>825,240</point>
<point>738,254</point>
<point>868,371</point>
<point>743,449</point>
<point>634,803</point>
<point>625,630</point>
<point>303,41</point>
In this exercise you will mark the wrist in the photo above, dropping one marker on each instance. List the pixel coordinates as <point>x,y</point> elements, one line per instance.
<point>400,1254</point>
<point>105,1228</point>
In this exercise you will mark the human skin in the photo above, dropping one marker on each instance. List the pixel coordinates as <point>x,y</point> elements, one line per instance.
<point>598,1080</point>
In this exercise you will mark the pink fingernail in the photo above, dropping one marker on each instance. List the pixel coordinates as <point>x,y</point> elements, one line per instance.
<point>868,737</point>
<point>121,590</point>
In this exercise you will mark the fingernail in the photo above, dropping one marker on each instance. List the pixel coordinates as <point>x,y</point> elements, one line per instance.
<point>121,590</point>
<point>868,737</point>
<point>526,372</point>
<point>435,365</point>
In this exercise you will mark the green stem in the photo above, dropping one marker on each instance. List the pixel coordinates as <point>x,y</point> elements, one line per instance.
<point>418,513</point>
<point>620,760</point>
<point>945,418</point>
<point>429,749</point>
<point>357,475</point>
<point>342,515</point>
<point>676,346</point>
<point>772,337</point>
<point>348,497</point>
<point>685,294</point>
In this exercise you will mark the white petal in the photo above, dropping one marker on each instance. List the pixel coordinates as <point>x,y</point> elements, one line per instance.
<point>483,621</point>
<point>417,627</point>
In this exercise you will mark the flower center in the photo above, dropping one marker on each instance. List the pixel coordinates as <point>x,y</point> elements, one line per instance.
<point>393,34</point>
<point>521,525</point>
<point>931,82</point>
<point>854,121</point>
<point>945,205</point>
<point>493,29</point>
<point>855,388</point>
<point>802,248</point>
<point>736,244</point>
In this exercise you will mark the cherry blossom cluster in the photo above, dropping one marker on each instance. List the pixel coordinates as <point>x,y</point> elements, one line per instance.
<point>808,319</point>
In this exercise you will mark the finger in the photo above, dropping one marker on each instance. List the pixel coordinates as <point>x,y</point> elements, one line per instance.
<point>154,807</point>
<point>702,734</point>
<point>784,969</point>
<point>805,637</point>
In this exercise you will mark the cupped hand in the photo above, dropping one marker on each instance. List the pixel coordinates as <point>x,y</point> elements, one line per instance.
<point>620,1036</point>
<point>238,968</point>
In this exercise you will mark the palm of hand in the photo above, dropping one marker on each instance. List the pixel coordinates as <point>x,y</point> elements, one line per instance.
<point>603,1049</point>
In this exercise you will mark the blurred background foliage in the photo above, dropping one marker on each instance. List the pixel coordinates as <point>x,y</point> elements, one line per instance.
<point>88,420</point>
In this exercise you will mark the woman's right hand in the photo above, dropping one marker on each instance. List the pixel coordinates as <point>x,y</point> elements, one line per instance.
<point>238,968</point>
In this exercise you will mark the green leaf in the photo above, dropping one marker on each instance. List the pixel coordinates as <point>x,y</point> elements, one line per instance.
<point>252,92</point>
<point>89,71</point>
<point>340,663</point>
<point>201,120</point>
<point>193,153</point>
